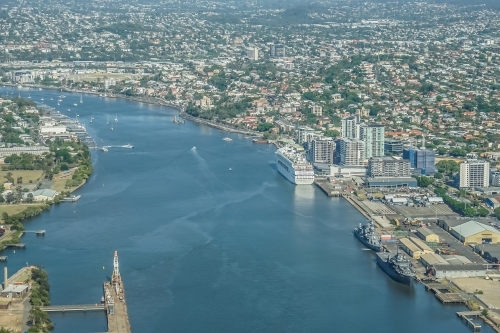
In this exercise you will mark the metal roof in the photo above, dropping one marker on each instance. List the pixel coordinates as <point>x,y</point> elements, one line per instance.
<point>473,227</point>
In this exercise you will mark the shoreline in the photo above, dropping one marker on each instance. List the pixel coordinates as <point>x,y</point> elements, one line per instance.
<point>153,101</point>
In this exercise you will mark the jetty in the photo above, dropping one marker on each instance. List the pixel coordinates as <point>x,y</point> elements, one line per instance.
<point>37,232</point>
<point>72,198</point>
<point>468,318</point>
<point>114,298</point>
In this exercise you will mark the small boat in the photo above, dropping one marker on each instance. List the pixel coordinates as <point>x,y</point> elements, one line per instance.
<point>91,119</point>
<point>40,89</point>
<point>104,149</point>
<point>75,104</point>
<point>69,110</point>
<point>29,96</point>
<point>230,169</point>
<point>112,127</point>
<point>51,99</point>
<point>102,299</point>
<point>128,145</point>
<point>116,118</point>
<point>227,139</point>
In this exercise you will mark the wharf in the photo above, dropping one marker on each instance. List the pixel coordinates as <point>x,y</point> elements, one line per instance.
<point>467,317</point>
<point>72,198</point>
<point>117,313</point>
<point>328,189</point>
<point>444,294</point>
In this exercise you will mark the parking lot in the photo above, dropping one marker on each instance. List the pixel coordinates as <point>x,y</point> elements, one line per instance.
<point>438,210</point>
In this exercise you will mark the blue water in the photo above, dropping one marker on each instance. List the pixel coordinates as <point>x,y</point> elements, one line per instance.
<point>205,249</point>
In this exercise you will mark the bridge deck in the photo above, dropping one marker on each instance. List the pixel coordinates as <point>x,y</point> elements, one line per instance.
<point>67,308</point>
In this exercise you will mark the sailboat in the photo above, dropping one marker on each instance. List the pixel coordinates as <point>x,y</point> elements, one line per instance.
<point>107,121</point>
<point>41,98</point>
<point>116,118</point>
<point>111,127</point>
<point>29,96</point>
<point>81,98</point>
<point>91,118</point>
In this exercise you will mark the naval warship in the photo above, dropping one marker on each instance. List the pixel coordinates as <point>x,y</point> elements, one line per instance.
<point>396,266</point>
<point>366,234</point>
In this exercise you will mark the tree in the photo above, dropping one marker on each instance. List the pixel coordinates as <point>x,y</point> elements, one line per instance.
<point>497,212</point>
<point>423,181</point>
<point>331,133</point>
<point>5,216</point>
<point>481,211</point>
<point>19,180</point>
<point>438,175</point>
<point>9,177</point>
<point>264,127</point>
<point>29,198</point>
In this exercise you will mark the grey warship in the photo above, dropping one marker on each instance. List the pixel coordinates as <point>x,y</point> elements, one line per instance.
<point>366,234</point>
<point>397,267</point>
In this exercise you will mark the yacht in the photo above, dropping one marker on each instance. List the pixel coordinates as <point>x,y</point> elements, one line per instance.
<point>227,139</point>
<point>294,166</point>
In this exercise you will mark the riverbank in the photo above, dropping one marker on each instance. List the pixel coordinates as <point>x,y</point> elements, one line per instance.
<point>153,101</point>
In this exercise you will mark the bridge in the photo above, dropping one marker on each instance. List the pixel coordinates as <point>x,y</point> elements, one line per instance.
<point>72,308</point>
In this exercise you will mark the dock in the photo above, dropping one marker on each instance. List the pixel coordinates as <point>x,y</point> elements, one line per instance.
<point>72,198</point>
<point>114,296</point>
<point>467,317</point>
<point>444,294</point>
<point>18,245</point>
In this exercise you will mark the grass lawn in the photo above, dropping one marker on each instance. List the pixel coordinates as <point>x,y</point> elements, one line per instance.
<point>27,175</point>
<point>59,186</point>
<point>12,209</point>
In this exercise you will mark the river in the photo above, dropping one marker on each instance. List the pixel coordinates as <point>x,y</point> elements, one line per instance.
<point>205,249</point>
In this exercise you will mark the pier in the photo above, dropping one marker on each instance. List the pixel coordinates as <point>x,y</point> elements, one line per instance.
<point>37,232</point>
<point>72,198</point>
<point>114,297</point>
<point>467,317</point>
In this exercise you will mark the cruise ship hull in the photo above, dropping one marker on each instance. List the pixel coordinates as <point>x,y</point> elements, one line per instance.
<point>382,262</point>
<point>365,242</point>
<point>289,173</point>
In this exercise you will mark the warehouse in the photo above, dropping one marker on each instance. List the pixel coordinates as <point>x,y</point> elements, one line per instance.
<point>447,224</point>
<point>414,247</point>
<point>458,271</point>
<point>473,232</point>
<point>391,182</point>
<point>431,259</point>
<point>490,252</point>
<point>16,291</point>
<point>427,235</point>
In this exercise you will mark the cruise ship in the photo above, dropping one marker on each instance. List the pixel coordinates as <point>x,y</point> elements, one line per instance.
<point>294,166</point>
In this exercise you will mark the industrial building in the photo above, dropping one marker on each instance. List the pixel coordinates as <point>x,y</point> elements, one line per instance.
<point>391,182</point>
<point>474,173</point>
<point>414,247</point>
<point>431,259</point>
<point>388,167</point>
<point>490,252</point>
<point>15,291</point>
<point>441,271</point>
<point>473,232</point>
<point>427,235</point>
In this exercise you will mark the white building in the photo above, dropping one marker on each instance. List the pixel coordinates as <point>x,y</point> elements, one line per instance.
<point>56,129</point>
<point>352,152</point>
<point>474,173</point>
<point>253,54</point>
<point>302,134</point>
<point>350,127</point>
<point>373,137</point>
<point>317,110</point>
<point>388,167</point>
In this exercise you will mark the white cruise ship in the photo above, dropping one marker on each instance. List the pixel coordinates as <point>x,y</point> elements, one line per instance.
<point>294,166</point>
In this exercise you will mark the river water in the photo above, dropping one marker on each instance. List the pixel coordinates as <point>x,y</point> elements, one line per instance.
<point>205,249</point>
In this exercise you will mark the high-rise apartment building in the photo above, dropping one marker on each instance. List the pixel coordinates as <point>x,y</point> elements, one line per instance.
<point>352,152</point>
<point>350,127</point>
<point>373,137</point>
<point>253,54</point>
<point>277,50</point>
<point>322,150</point>
<point>474,173</point>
